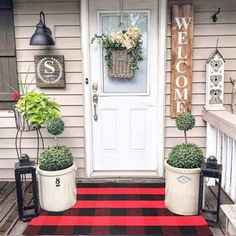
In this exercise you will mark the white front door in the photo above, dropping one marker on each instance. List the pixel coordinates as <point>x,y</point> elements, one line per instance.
<point>125,134</point>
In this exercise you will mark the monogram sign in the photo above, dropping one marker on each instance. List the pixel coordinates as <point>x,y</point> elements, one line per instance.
<point>181,58</point>
<point>50,71</point>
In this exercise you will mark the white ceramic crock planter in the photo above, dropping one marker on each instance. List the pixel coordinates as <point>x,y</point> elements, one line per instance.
<point>57,189</point>
<point>181,191</point>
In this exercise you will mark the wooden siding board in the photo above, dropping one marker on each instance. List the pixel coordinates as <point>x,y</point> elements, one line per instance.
<point>29,7</point>
<point>61,43</point>
<point>10,153</point>
<point>69,55</point>
<point>71,77</point>
<point>56,19</point>
<point>69,132</point>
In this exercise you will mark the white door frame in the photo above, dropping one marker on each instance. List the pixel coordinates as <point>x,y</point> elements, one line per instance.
<point>85,41</point>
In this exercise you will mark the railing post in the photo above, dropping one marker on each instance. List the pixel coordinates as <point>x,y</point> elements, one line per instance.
<point>211,147</point>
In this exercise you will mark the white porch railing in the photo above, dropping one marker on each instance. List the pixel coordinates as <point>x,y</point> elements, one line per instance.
<point>221,142</point>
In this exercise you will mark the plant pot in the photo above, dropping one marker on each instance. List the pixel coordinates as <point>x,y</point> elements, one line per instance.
<point>22,123</point>
<point>181,191</point>
<point>57,189</point>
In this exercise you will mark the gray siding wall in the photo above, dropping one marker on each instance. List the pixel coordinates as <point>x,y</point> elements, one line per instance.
<point>63,17</point>
<point>206,33</point>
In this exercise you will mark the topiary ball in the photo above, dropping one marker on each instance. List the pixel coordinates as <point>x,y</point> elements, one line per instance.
<point>55,126</point>
<point>186,156</point>
<point>55,158</point>
<point>185,121</point>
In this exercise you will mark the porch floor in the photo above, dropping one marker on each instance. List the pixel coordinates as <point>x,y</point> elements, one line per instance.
<point>10,224</point>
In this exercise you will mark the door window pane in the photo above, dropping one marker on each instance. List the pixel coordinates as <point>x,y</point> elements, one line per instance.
<point>111,22</point>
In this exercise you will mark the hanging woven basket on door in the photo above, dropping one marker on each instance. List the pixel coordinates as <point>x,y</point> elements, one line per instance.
<point>121,66</point>
<point>123,51</point>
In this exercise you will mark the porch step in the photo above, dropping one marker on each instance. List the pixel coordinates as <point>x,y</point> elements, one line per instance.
<point>230,213</point>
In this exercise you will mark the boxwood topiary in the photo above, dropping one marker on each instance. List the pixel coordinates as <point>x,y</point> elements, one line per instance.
<point>55,126</point>
<point>185,121</point>
<point>186,155</point>
<point>55,158</point>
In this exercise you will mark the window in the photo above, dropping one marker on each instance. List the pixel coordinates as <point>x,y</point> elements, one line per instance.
<point>8,73</point>
<point>110,22</point>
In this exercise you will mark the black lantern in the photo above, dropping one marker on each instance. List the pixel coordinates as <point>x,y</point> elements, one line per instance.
<point>42,34</point>
<point>23,167</point>
<point>210,169</point>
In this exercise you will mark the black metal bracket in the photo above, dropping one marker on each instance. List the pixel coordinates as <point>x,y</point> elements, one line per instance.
<point>214,17</point>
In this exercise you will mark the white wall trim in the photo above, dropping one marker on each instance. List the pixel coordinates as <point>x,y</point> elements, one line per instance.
<point>85,41</point>
<point>161,83</point>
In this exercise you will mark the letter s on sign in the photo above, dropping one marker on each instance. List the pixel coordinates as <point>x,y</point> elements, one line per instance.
<point>49,69</point>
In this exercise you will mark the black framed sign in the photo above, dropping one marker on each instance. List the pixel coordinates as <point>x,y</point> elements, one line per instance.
<point>50,71</point>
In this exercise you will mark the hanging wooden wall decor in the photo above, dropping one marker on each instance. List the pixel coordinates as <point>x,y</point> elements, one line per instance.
<point>181,58</point>
<point>50,72</point>
<point>215,82</point>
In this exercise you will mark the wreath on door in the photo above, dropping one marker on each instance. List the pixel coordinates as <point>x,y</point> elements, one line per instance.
<point>123,51</point>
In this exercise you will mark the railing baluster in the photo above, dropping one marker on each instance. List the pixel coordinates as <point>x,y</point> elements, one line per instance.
<point>233,175</point>
<point>228,165</point>
<point>218,146</point>
<point>224,153</point>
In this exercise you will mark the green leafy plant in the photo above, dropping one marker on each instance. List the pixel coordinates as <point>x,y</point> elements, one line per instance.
<point>55,158</point>
<point>55,126</point>
<point>185,121</point>
<point>186,155</point>
<point>129,40</point>
<point>37,108</point>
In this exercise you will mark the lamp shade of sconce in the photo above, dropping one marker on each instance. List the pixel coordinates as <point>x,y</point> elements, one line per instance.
<point>42,34</point>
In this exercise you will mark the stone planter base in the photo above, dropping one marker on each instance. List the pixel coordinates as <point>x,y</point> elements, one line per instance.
<point>182,188</point>
<point>57,189</point>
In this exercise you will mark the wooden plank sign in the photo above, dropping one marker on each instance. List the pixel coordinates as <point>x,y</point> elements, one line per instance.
<point>181,58</point>
<point>50,71</point>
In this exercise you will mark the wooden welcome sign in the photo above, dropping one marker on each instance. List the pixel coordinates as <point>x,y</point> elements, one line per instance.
<point>181,58</point>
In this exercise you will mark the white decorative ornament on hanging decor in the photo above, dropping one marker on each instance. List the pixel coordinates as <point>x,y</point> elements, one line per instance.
<point>215,81</point>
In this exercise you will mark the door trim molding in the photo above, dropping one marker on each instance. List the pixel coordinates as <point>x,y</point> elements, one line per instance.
<point>85,41</point>
<point>161,82</point>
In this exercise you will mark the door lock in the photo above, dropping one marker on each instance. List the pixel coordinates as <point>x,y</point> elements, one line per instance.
<point>95,87</point>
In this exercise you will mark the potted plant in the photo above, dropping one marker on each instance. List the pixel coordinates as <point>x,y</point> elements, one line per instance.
<point>56,173</point>
<point>36,109</point>
<point>183,172</point>
<point>123,51</point>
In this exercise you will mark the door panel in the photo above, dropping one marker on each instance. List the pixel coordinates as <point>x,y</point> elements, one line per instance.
<point>125,132</point>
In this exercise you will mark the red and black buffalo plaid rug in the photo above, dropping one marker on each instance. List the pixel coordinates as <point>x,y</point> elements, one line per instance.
<point>118,209</point>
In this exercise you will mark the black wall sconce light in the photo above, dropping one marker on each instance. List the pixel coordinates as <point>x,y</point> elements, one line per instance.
<point>42,34</point>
